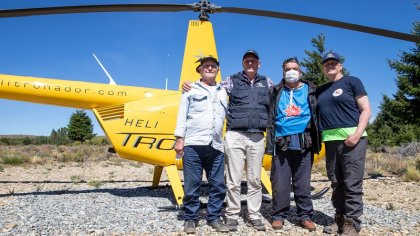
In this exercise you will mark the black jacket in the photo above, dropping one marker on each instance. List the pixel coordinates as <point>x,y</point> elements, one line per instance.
<point>312,134</point>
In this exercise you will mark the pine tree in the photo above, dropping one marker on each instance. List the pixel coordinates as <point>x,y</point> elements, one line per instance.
<point>80,127</point>
<point>59,137</point>
<point>313,64</point>
<point>398,121</point>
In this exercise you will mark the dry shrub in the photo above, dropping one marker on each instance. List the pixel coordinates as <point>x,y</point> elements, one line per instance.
<point>411,174</point>
<point>41,154</point>
<point>379,164</point>
<point>15,160</point>
<point>37,160</point>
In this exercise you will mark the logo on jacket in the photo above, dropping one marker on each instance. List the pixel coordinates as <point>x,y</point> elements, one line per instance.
<point>260,85</point>
<point>337,92</point>
<point>293,110</point>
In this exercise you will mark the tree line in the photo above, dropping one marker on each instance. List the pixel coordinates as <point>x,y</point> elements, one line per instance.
<point>79,129</point>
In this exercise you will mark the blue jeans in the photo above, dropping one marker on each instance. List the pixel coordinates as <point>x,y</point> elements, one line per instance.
<point>196,158</point>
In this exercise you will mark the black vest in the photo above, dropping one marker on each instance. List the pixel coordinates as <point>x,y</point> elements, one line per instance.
<point>248,104</point>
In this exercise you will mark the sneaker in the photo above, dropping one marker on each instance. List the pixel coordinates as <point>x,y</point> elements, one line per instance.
<point>232,224</point>
<point>189,226</point>
<point>308,224</point>
<point>336,227</point>
<point>256,224</point>
<point>218,225</point>
<point>277,224</point>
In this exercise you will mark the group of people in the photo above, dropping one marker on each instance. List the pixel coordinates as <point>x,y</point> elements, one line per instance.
<point>296,117</point>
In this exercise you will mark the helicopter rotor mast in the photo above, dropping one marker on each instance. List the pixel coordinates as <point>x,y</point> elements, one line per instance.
<point>205,7</point>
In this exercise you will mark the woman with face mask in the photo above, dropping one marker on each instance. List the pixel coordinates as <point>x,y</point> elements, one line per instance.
<point>292,139</point>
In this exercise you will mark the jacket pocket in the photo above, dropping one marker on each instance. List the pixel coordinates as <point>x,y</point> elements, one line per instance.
<point>198,103</point>
<point>263,120</point>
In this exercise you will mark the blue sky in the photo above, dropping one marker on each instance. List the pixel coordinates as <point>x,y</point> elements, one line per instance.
<point>142,49</point>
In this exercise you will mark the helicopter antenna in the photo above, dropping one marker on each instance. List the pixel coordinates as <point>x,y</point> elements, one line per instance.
<point>166,79</point>
<point>111,81</point>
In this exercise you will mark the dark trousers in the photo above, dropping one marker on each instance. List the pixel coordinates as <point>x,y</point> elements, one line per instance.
<point>345,169</point>
<point>295,166</point>
<point>197,158</point>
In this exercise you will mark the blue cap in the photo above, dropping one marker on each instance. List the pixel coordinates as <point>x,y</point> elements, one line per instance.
<point>251,52</point>
<point>331,56</point>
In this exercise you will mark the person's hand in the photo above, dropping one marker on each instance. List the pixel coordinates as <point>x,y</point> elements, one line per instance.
<point>186,86</point>
<point>179,146</point>
<point>352,140</point>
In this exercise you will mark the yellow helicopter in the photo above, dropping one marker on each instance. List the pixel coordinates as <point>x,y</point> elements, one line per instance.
<point>139,122</point>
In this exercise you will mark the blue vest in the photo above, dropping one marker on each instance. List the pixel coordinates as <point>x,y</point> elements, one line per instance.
<point>248,104</point>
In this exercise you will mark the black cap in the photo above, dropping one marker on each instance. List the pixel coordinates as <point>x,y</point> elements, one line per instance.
<point>331,56</point>
<point>251,52</point>
<point>203,59</point>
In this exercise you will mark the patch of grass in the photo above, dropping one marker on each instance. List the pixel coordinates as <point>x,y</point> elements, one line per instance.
<point>372,198</point>
<point>75,179</point>
<point>95,183</point>
<point>135,164</point>
<point>1,168</point>
<point>389,206</point>
<point>116,162</point>
<point>411,174</point>
<point>111,174</point>
<point>37,160</point>
<point>417,163</point>
<point>15,160</point>
<point>39,188</point>
<point>381,164</point>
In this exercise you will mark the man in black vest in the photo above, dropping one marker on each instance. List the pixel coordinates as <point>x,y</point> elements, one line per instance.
<point>249,102</point>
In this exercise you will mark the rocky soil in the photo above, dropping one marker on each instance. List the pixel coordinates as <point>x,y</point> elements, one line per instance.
<point>108,198</point>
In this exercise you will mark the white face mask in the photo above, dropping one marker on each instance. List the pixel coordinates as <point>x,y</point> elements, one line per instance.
<point>292,76</point>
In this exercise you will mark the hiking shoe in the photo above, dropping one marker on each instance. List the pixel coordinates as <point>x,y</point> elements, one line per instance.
<point>256,224</point>
<point>189,226</point>
<point>348,228</point>
<point>277,224</point>
<point>218,225</point>
<point>308,224</point>
<point>232,224</point>
<point>336,227</point>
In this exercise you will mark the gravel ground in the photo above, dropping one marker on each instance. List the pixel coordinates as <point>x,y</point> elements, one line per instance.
<point>107,199</point>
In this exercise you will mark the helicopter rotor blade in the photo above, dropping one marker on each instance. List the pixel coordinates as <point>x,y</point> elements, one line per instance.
<point>97,8</point>
<point>205,8</point>
<point>321,21</point>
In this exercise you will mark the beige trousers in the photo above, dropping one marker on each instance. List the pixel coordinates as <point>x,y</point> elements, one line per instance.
<point>242,148</point>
